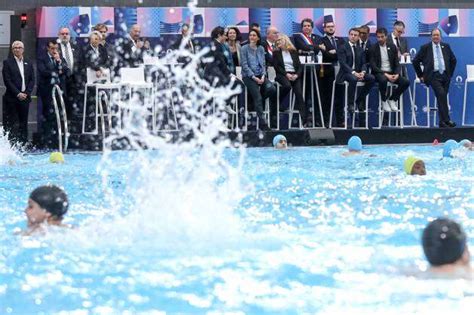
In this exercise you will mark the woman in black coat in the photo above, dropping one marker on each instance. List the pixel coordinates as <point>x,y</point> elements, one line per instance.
<point>289,73</point>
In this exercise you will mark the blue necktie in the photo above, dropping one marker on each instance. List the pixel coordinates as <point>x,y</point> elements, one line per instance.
<point>438,60</point>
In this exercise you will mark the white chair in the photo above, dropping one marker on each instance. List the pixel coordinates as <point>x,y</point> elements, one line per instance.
<point>99,83</point>
<point>398,112</point>
<point>134,79</point>
<point>469,79</point>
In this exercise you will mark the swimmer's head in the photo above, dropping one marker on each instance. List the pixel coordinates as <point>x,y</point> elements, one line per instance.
<point>354,144</point>
<point>414,166</point>
<point>448,148</point>
<point>466,144</point>
<point>279,142</point>
<point>444,242</point>
<point>52,199</point>
<point>56,157</point>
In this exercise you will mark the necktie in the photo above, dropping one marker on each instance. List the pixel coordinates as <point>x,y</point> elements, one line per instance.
<point>333,42</point>
<point>67,56</point>
<point>362,45</point>
<point>438,60</point>
<point>353,56</point>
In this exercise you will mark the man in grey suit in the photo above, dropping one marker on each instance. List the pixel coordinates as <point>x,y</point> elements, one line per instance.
<point>396,38</point>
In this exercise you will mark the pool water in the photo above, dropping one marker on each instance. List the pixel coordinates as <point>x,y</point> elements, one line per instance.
<point>272,232</point>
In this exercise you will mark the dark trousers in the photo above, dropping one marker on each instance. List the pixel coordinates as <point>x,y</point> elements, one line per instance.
<point>440,85</point>
<point>297,86</point>
<point>49,128</point>
<point>15,119</point>
<point>369,81</point>
<point>259,93</point>
<point>402,83</point>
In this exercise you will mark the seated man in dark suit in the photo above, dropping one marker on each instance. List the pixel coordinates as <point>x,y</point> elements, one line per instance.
<point>353,69</point>
<point>19,79</point>
<point>439,64</point>
<point>386,68</point>
<point>52,70</point>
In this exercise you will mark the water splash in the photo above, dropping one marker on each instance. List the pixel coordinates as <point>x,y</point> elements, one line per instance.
<point>9,153</point>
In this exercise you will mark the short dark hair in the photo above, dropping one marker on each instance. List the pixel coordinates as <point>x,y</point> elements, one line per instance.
<point>365,27</point>
<point>307,20</point>
<point>355,29</point>
<point>218,30</point>
<point>399,23</point>
<point>237,31</point>
<point>254,24</point>
<point>52,41</point>
<point>184,25</point>
<point>444,242</point>
<point>99,26</point>
<point>381,30</point>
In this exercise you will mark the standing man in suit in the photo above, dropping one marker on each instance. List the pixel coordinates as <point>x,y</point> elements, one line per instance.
<point>269,43</point>
<point>439,64</point>
<point>132,48</point>
<point>19,79</point>
<point>354,69</point>
<point>386,68</point>
<point>72,55</point>
<point>330,43</point>
<point>396,38</point>
<point>52,69</point>
<point>189,45</point>
<point>364,41</point>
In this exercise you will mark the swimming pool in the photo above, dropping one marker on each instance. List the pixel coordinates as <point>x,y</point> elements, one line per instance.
<point>302,230</point>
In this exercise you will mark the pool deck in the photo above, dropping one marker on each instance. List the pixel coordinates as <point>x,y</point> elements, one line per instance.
<point>315,137</point>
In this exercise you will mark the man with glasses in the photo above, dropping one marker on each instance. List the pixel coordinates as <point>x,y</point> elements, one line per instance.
<point>396,38</point>
<point>19,79</point>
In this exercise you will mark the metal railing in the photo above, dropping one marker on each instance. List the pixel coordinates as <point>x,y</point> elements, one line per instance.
<point>57,91</point>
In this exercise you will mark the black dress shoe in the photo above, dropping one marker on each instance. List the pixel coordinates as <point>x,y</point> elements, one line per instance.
<point>447,124</point>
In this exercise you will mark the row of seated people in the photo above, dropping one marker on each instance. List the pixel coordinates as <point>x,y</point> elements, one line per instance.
<point>64,64</point>
<point>358,60</point>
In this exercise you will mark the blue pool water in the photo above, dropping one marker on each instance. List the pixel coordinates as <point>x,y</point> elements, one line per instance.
<point>302,230</point>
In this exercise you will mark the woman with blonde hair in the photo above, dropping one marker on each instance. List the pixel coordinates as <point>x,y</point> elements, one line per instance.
<point>289,72</point>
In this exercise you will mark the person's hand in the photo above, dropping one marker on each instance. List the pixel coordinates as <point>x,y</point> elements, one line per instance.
<point>322,47</point>
<point>57,57</point>
<point>139,44</point>
<point>98,73</point>
<point>289,76</point>
<point>388,76</point>
<point>395,77</point>
<point>406,54</point>
<point>422,79</point>
<point>22,96</point>
<point>332,51</point>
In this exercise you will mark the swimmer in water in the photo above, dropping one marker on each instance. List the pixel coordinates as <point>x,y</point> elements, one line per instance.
<point>467,144</point>
<point>414,166</point>
<point>354,146</point>
<point>47,205</point>
<point>445,247</point>
<point>448,148</point>
<point>279,142</point>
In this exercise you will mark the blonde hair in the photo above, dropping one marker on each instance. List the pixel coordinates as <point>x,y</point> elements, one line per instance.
<point>286,42</point>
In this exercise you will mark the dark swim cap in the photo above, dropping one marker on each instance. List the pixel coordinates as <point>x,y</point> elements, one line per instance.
<point>52,199</point>
<point>443,242</point>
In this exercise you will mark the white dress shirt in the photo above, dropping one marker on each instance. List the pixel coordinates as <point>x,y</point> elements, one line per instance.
<point>21,66</point>
<point>67,50</point>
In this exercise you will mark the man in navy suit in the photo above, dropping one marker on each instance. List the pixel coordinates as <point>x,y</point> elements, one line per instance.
<point>52,70</point>
<point>329,46</point>
<point>386,68</point>
<point>19,79</point>
<point>364,40</point>
<point>439,64</point>
<point>353,69</point>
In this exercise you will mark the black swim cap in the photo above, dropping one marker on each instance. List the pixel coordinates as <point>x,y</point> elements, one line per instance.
<point>51,198</point>
<point>443,242</point>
